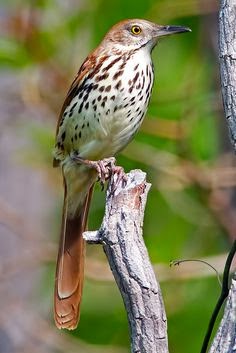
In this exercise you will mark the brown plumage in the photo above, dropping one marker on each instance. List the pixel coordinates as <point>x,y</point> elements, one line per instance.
<point>103,110</point>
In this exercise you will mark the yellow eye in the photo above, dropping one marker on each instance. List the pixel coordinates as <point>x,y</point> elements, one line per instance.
<point>136,30</point>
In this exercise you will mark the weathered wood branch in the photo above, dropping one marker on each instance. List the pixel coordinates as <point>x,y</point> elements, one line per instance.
<point>121,237</point>
<point>225,339</point>
<point>227,56</point>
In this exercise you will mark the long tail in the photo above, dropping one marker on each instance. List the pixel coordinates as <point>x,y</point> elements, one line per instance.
<point>70,260</point>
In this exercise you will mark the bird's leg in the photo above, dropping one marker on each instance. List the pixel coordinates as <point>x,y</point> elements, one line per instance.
<point>104,167</point>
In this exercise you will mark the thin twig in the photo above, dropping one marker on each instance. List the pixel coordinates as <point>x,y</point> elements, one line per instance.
<point>178,262</point>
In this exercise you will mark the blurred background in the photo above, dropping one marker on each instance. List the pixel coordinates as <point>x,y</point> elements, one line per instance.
<point>183,146</point>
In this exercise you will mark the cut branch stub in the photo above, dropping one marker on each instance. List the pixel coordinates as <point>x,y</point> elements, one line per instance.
<point>121,236</point>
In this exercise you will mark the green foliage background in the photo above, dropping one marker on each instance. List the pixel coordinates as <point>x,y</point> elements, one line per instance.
<point>182,146</point>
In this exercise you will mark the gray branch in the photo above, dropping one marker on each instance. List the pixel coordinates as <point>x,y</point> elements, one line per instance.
<point>227,53</point>
<point>121,236</point>
<point>225,339</point>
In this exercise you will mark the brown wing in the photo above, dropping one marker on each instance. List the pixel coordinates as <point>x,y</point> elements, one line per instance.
<point>83,72</point>
<point>86,67</point>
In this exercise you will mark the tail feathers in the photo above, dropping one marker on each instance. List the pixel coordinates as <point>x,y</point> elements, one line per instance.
<point>70,267</point>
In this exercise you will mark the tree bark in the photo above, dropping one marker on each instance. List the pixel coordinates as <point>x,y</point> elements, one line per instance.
<point>227,56</point>
<point>121,237</point>
<point>225,339</point>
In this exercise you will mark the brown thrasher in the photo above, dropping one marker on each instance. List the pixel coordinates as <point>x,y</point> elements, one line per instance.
<point>103,110</point>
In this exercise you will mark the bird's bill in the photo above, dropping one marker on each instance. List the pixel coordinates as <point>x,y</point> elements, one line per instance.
<point>168,30</point>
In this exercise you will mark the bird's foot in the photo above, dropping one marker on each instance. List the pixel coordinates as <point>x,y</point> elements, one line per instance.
<point>105,168</point>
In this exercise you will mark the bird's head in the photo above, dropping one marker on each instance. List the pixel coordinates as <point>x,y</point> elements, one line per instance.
<point>134,34</point>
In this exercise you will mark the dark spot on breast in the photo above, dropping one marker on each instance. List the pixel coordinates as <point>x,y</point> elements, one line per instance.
<point>113,62</point>
<point>147,70</point>
<point>86,105</point>
<point>83,126</point>
<point>70,114</point>
<point>139,120</point>
<point>87,124</point>
<point>65,114</point>
<point>117,74</point>
<point>81,107</point>
<point>95,107</point>
<point>95,86</point>
<point>118,85</point>
<point>102,77</point>
<point>115,109</point>
<point>135,68</point>
<point>113,98</point>
<point>98,66</point>
<point>72,140</point>
<point>148,88</point>
<point>108,112</point>
<point>89,88</point>
<point>103,104</point>
<point>135,77</point>
<point>76,126</point>
<point>101,89</point>
<point>143,82</point>
<point>86,97</point>
<point>80,134</point>
<point>99,98</point>
<point>123,63</point>
<point>76,137</point>
<point>131,89</point>
<point>108,88</point>
<point>132,99</point>
<point>93,102</point>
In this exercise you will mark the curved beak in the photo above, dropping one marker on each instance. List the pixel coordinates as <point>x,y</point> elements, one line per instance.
<point>168,30</point>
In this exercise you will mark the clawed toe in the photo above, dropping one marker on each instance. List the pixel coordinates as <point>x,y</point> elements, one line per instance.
<point>120,177</point>
<point>105,168</point>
